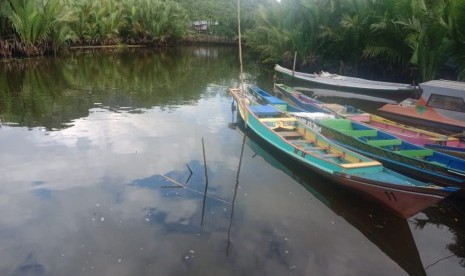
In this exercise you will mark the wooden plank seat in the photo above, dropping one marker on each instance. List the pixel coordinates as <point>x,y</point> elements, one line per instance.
<point>416,153</point>
<point>360,165</point>
<point>385,142</point>
<point>301,142</point>
<point>439,139</point>
<point>315,148</point>
<point>331,155</point>
<point>287,134</point>
<point>361,132</point>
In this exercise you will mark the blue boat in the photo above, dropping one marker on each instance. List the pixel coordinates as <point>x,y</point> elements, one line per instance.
<point>407,158</point>
<point>306,103</point>
<point>403,195</point>
<point>416,161</point>
<point>436,141</point>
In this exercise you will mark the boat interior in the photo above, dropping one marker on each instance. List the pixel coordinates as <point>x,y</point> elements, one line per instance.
<point>386,141</point>
<point>307,141</point>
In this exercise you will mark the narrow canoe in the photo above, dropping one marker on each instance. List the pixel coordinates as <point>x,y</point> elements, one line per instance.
<point>416,161</point>
<point>403,195</point>
<point>344,83</point>
<point>421,137</point>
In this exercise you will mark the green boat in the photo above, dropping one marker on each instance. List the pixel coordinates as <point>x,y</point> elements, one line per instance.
<point>403,195</point>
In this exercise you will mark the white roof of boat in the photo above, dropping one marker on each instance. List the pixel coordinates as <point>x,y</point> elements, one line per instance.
<point>456,85</point>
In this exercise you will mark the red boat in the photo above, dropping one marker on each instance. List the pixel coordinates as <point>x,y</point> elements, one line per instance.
<point>441,106</point>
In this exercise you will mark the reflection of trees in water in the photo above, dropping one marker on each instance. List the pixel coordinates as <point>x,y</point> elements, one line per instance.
<point>450,214</point>
<point>52,92</point>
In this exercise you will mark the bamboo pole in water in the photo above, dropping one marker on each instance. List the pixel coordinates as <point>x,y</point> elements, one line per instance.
<point>229,244</point>
<point>293,66</point>
<point>206,182</point>
<point>240,41</point>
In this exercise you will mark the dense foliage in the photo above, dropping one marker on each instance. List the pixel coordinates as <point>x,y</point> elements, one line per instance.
<point>408,39</point>
<point>414,38</point>
<point>31,27</point>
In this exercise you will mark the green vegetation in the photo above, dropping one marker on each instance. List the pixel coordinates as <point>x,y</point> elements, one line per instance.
<point>397,39</point>
<point>33,27</point>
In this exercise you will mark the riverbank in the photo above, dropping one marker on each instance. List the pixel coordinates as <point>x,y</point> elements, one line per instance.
<point>208,39</point>
<point>9,52</point>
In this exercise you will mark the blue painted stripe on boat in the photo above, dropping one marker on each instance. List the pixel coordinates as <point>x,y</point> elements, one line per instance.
<point>457,180</point>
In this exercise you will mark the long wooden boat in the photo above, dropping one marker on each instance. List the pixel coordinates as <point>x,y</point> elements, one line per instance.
<point>400,155</point>
<point>441,106</point>
<point>416,161</point>
<point>404,195</point>
<point>344,83</point>
<point>421,137</point>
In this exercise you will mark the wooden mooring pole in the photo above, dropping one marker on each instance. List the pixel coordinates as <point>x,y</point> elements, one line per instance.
<point>293,66</point>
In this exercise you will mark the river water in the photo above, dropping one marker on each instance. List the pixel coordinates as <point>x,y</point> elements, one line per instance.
<point>104,161</point>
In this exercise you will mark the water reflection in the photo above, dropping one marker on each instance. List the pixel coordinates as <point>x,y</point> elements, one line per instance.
<point>390,233</point>
<point>95,147</point>
<point>54,92</point>
<point>105,210</point>
<point>451,215</point>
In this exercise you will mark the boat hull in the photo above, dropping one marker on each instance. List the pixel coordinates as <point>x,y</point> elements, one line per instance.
<point>310,106</point>
<point>455,151</point>
<point>441,105</point>
<point>350,84</point>
<point>426,118</point>
<point>405,201</point>
<point>418,169</point>
<point>436,141</point>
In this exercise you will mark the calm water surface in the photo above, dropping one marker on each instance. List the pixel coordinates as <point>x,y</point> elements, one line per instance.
<point>102,173</point>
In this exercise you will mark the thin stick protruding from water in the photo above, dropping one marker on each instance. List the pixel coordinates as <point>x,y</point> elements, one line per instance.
<point>206,182</point>
<point>228,246</point>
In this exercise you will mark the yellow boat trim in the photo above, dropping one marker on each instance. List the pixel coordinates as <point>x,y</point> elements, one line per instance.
<point>360,165</point>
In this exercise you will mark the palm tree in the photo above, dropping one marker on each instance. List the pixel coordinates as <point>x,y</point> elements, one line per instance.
<point>37,23</point>
<point>426,30</point>
<point>456,36</point>
<point>154,21</point>
<point>29,23</point>
<point>270,38</point>
<point>59,17</point>
<point>410,31</point>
